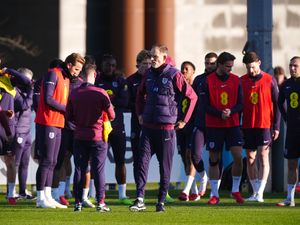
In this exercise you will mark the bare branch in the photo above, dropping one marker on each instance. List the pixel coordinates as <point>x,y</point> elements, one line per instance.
<point>18,42</point>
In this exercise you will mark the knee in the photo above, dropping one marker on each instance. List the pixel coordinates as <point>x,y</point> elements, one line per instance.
<point>46,163</point>
<point>250,160</point>
<point>213,162</point>
<point>200,166</point>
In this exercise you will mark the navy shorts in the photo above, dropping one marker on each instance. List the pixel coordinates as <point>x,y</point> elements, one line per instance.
<point>117,141</point>
<point>184,139</point>
<point>255,137</point>
<point>292,145</point>
<point>216,137</point>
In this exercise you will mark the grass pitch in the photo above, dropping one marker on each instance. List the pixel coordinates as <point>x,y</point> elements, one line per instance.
<point>183,213</point>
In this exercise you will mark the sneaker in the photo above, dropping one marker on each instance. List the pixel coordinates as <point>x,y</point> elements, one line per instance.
<point>169,199</point>
<point>183,197</point>
<point>26,197</point>
<point>87,204</point>
<point>286,202</point>
<point>252,198</point>
<point>137,206</point>
<point>12,201</point>
<point>125,201</point>
<point>78,207</point>
<point>160,207</point>
<point>213,200</point>
<point>297,189</point>
<point>238,197</point>
<point>194,197</point>
<point>56,204</point>
<point>102,208</point>
<point>44,204</point>
<point>259,198</point>
<point>63,200</point>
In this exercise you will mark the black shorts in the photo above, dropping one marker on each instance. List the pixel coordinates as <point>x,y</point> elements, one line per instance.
<point>292,145</point>
<point>216,137</point>
<point>255,137</point>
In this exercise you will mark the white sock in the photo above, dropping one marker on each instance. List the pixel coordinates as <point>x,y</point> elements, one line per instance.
<point>61,188</point>
<point>214,188</point>
<point>188,184</point>
<point>48,195</point>
<point>203,181</point>
<point>258,183</point>
<point>85,193</point>
<point>218,184</point>
<point>40,195</point>
<point>11,190</point>
<point>140,199</point>
<point>236,180</point>
<point>54,193</point>
<point>291,191</point>
<point>261,188</point>
<point>92,192</point>
<point>194,187</point>
<point>68,181</point>
<point>122,191</point>
<point>254,184</point>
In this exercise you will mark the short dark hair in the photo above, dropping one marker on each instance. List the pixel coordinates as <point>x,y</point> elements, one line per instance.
<point>90,63</point>
<point>250,57</point>
<point>211,55</point>
<point>108,57</point>
<point>295,57</point>
<point>89,59</point>
<point>142,55</point>
<point>224,57</point>
<point>55,63</point>
<point>189,63</point>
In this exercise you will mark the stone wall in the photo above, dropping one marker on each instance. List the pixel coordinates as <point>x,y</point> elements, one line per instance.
<point>214,25</point>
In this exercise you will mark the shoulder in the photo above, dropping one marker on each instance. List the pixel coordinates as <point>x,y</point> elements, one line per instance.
<point>244,77</point>
<point>211,76</point>
<point>132,76</point>
<point>267,76</point>
<point>174,71</point>
<point>234,76</point>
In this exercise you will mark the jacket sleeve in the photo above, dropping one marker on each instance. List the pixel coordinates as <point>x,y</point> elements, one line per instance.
<point>108,107</point>
<point>36,94</point>
<point>140,97</point>
<point>281,103</point>
<point>18,79</point>
<point>50,81</point>
<point>69,111</point>
<point>188,93</point>
<point>276,116</point>
<point>23,101</point>
<point>237,108</point>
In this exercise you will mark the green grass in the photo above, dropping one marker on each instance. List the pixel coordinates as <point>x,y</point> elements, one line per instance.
<point>227,212</point>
